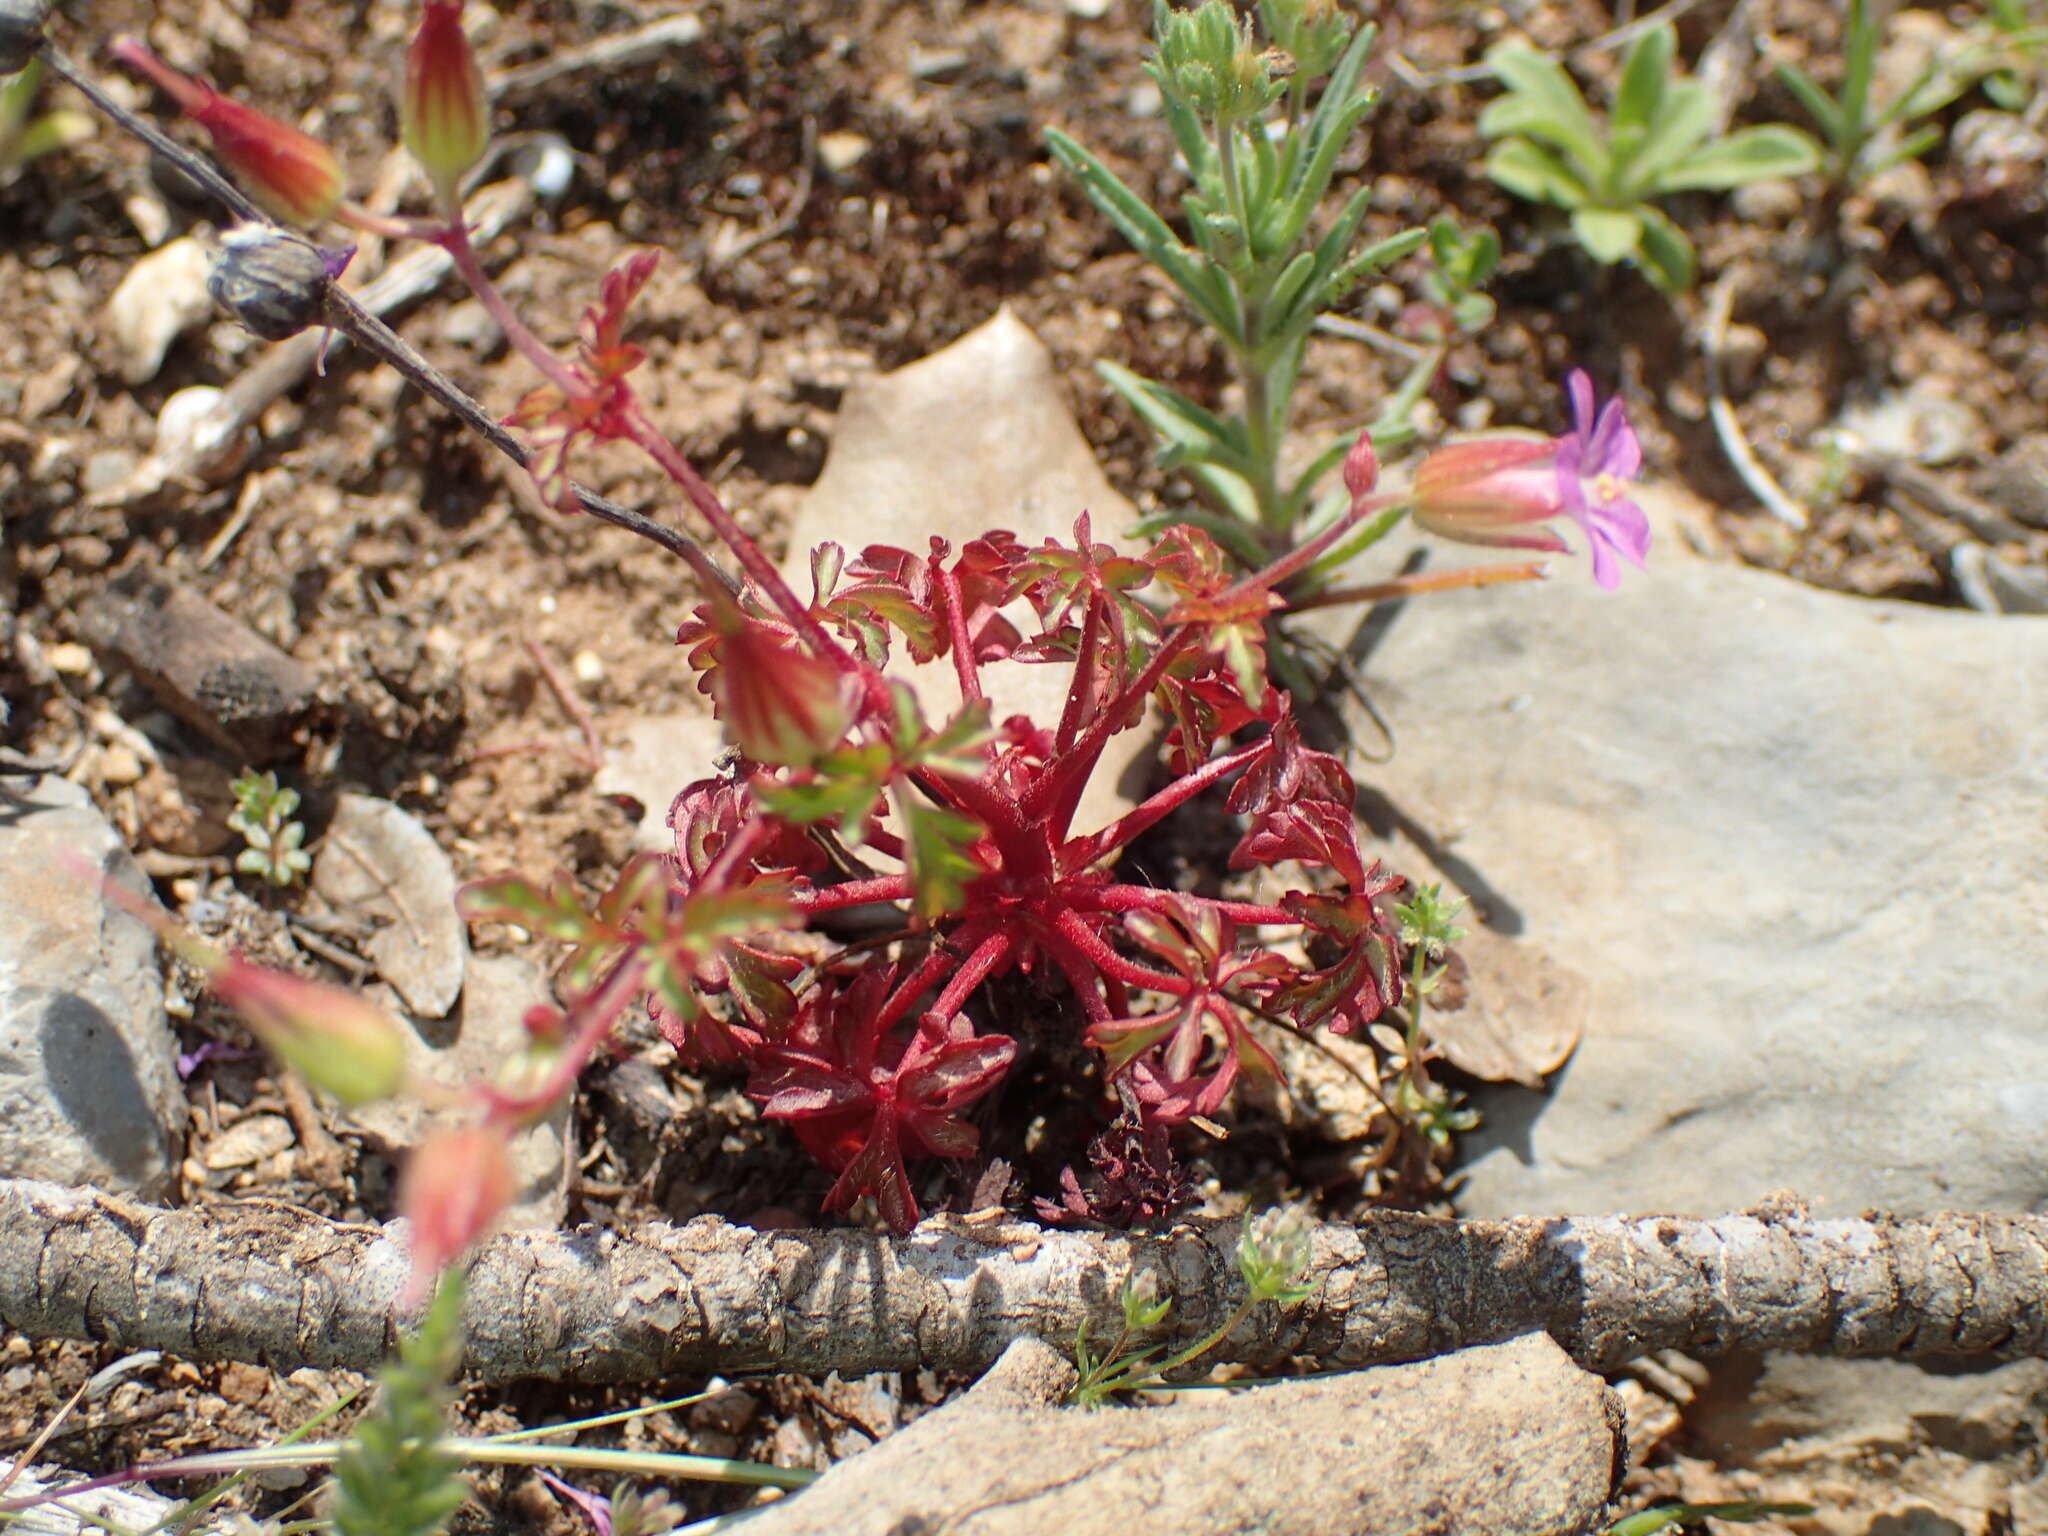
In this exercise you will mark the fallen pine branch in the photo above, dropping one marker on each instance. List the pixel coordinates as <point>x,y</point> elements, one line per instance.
<point>271,1284</point>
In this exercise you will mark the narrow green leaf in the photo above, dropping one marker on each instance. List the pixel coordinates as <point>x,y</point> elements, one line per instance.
<point>1819,106</point>
<point>1665,256</point>
<point>1147,233</point>
<point>1314,181</point>
<point>1751,155</point>
<point>1286,327</point>
<point>1195,147</point>
<point>1542,101</point>
<point>1304,488</point>
<point>1644,75</point>
<point>1911,147</point>
<point>1179,422</point>
<point>1607,234</point>
<point>1532,172</point>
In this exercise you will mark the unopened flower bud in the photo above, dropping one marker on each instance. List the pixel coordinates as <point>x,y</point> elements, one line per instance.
<point>1361,467</point>
<point>292,174</point>
<point>331,1037</point>
<point>445,117</point>
<point>21,33</point>
<point>456,1185</point>
<point>273,281</point>
<point>779,703</point>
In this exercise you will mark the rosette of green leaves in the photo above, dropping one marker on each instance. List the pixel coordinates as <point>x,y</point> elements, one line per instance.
<point>1657,141</point>
<point>1264,255</point>
<point>265,815</point>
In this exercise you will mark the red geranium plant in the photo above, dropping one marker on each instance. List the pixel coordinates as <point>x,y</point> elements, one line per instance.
<point>841,793</point>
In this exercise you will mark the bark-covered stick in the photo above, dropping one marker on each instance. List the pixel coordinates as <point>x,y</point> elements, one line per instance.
<point>267,1283</point>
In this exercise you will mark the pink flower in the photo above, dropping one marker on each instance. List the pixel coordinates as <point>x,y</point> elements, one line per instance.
<point>1502,490</point>
<point>444,115</point>
<point>292,174</point>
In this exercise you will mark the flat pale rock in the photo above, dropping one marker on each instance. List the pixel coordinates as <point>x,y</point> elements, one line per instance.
<point>1509,1440</point>
<point>377,861</point>
<point>973,438</point>
<point>89,1090</point>
<point>1778,851</point>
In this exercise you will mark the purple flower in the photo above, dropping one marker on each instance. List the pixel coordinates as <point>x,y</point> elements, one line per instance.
<point>1503,489</point>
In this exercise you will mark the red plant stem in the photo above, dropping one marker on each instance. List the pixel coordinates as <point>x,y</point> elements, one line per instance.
<point>987,957</point>
<point>759,568</point>
<point>454,239</point>
<point>1089,984</point>
<point>1072,768</point>
<point>1307,554</point>
<point>594,1015</point>
<point>1110,963</point>
<point>963,647</point>
<point>1426,581</point>
<point>1079,853</point>
<point>912,987</point>
<point>1081,689</point>
<point>855,893</point>
<point>1147,898</point>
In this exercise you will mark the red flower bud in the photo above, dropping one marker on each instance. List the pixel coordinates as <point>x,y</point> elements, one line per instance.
<point>444,116</point>
<point>1361,467</point>
<point>292,174</point>
<point>779,703</point>
<point>456,1184</point>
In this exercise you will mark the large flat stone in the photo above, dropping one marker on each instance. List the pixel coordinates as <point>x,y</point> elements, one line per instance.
<point>89,1090</point>
<point>1781,852</point>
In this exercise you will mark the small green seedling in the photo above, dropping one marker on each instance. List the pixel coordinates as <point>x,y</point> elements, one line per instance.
<point>1864,136</point>
<point>24,139</point>
<point>1665,1517</point>
<point>1656,142</point>
<point>1273,1255</point>
<point>263,815</point>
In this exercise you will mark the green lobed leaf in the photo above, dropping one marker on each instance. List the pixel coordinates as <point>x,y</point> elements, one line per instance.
<point>1665,256</point>
<point>845,789</point>
<point>936,843</point>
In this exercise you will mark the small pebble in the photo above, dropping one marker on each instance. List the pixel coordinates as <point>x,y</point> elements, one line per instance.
<point>841,152</point>
<point>586,667</point>
<point>69,658</point>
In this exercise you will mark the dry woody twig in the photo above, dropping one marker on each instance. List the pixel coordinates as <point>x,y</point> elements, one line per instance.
<point>271,1284</point>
